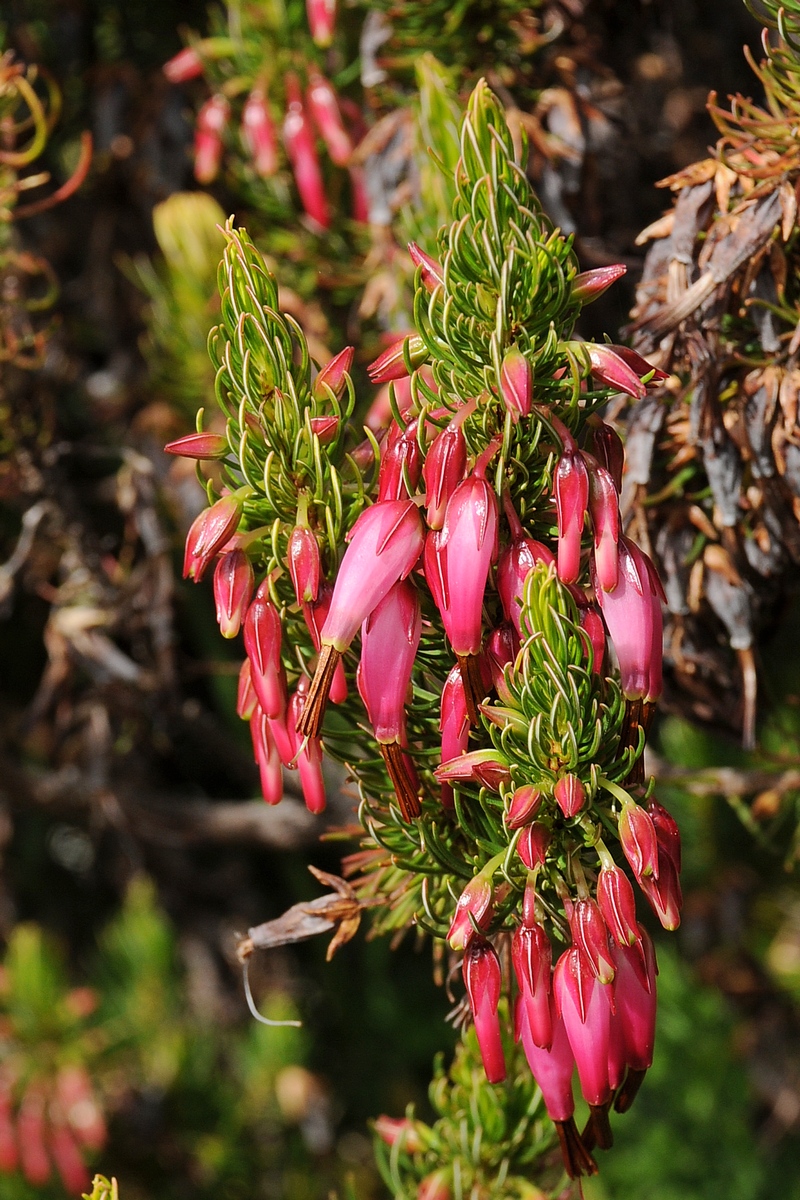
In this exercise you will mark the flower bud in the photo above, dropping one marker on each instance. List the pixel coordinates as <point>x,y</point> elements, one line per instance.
<point>632,612</point>
<point>635,999</point>
<point>667,833</point>
<point>67,1159</point>
<point>487,768</point>
<point>466,548</point>
<point>604,513</point>
<point>618,906</point>
<point>392,1130</point>
<point>299,142</point>
<point>474,903</point>
<point>431,275</point>
<point>321,21</point>
<point>308,755</point>
<point>592,623</point>
<point>324,109</point>
<point>640,365</point>
<point>608,449</point>
<point>208,534</point>
<point>315,616</point>
<point>663,891</point>
<point>516,383</point>
<point>531,955</point>
<point>572,496</point>
<point>515,562</point>
<point>262,642</point>
<point>326,429</point>
<point>259,135</point>
<point>233,586</point>
<point>334,376</point>
<point>533,845</point>
<point>266,756</point>
<point>209,126</point>
<point>523,807</point>
<point>590,285</point>
<point>435,1187</point>
<point>502,647</point>
<point>401,463</point>
<point>199,446</point>
<point>304,564</point>
<point>607,366</point>
<point>637,836</point>
<point>392,363</point>
<point>9,1152</point>
<point>183,66</point>
<point>482,978</point>
<point>246,698</point>
<point>453,725</point>
<point>34,1161</point>
<point>444,469</point>
<point>590,935</point>
<point>584,1004</point>
<point>570,795</point>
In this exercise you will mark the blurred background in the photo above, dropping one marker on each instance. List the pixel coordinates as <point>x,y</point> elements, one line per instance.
<point>134,845</point>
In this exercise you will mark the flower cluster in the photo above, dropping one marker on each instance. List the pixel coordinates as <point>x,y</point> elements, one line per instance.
<point>462,563</point>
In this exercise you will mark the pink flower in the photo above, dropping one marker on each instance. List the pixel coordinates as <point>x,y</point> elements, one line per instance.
<point>610,368</point>
<point>482,978</point>
<point>444,469</point>
<point>604,513</point>
<point>392,363</point>
<point>608,449</point>
<point>474,904</point>
<point>524,804</point>
<point>532,954</point>
<point>267,758</point>
<point>334,376</point>
<point>533,845</point>
<point>453,725</point>
<point>435,1187</point>
<point>637,836</point>
<point>632,612</point>
<point>183,66</point>
<point>199,446</point>
<point>590,935</point>
<point>570,795</point>
<point>431,275</point>
<point>401,463</point>
<point>551,1066</point>
<point>359,195</point>
<point>304,564</point>
<point>326,428</point>
<point>584,1004</point>
<point>233,587</point>
<point>67,1158</point>
<point>315,616</point>
<point>308,754</point>
<point>324,109</point>
<point>663,891</point>
<point>208,534</point>
<point>592,623</point>
<point>668,835</point>
<point>259,135</point>
<point>398,1129</point>
<point>302,152</point>
<point>487,768</point>
<point>246,698</point>
<point>321,21</point>
<point>502,647</point>
<point>618,906</point>
<point>589,285</point>
<point>640,365</point>
<point>572,496</point>
<point>209,126</point>
<point>516,561</point>
<point>262,642</point>
<point>516,383</point>
<point>635,999</point>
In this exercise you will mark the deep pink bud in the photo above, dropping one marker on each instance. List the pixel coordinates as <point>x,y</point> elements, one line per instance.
<point>589,285</point>
<point>570,795</point>
<point>635,998</point>
<point>637,836</point>
<point>571,487</point>
<point>608,449</point>
<point>592,622</point>
<point>385,543</point>
<point>482,978</point>
<point>389,641</point>
<point>584,1004</point>
<point>552,1068</point>
<point>515,562</point>
<point>590,935</point>
<point>502,647</point>
<point>208,534</point>
<point>324,109</point>
<point>283,735</point>
<point>246,698</point>
<point>234,581</point>
<point>474,902</point>
<point>308,756</point>
<point>30,1136</point>
<point>315,616</point>
<point>533,844</point>
<point>183,66</point>
<point>259,135</point>
<point>211,121</point>
<point>262,642</point>
<point>199,446</point>
<point>532,955</point>
<point>632,613</point>
<point>432,275</point>
<point>334,376</point>
<point>392,364</point>
<point>667,832</point>
<point>321,21</point>
<point>326,428</point>
<point>485,767</point>
<point>360,196</point>
<point>445,465</point>
<point>618,906</point>
<point>640,365</point>
<point>604,513</point>
<point>453,725</point>
<point>664,892</point>
<point>516,383</point>
<point>465,550</point>
<point>523,807</point>
<point>9,1152</point>
<point>67,1158</point>
<point>398,1129</point>
<point>401,462</point>
<point>435,1187</point>
<point>299,142</point>
<point>607,366</point>
<point>304,565</point>
<point>266,756</point>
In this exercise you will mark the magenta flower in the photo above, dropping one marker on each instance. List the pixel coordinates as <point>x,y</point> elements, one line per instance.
<point>444,469</point>
<point>618,906</point>
<point>321,21</point>
<point>398,1129</point>
<point>487,768</point>
<point>610,368</point>
<point>392,363</point>
<point>584,1004</point>
<point>304,564</point>
<point>209,127</point>
<point>515,562</point>
<point>453,725</point>
<point>334,376</point>
<point>266,756</point>
<point>315,616</point>
<point>208,534</point>
<point>502,646</point>
<point>326,428</point>
<point>590,285</point>
<point>474,903</point>
<point>667,833</point>
<point>262,642</point>
<point>533,845</point>
<point>570,795</point>
<point>234,581</point>
<point>432,275</point>
<point>516,383</point>
<point>307,753</point>
<point>590,934</point>
<point>482,978</point>
<point>324,109</point>
<point>199,446</point>
<point>604,513</point>
<point>259,134</point>
<point>299,142</point>
<point>246,698</point>
<point>640,365</point>
<point>592,623</point>
<point>637,836</point>
<point>183,66</point>
<point>435,1187</point>
<point>663,891</point>
<point>632,612</point>
<point>608,449</point>
<point>285,739</point>
<point>532,956</point>
<point>571,488</point>
<point>635,999</point>
<point>401,463</point>
<point>524,804</point>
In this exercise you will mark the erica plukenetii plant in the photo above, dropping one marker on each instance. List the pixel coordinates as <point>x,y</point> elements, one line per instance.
<point>448,606</point>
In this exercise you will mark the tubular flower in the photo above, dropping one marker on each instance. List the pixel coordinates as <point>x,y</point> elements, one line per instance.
<point>482,979</point>
<point>604,513</point>
<point>389,640</point>
<point>572,498</point>
<point>324,109</point>
<point>234,581</point>
<point>532,956</point>
<point>610,368</point>
<point>608,449</point>
<point>590,285</point>
<point>453,725</point>
<point>392,363</point>
<point>304,564</point>
<point>516,383</point>
<point>259,134</point>
<point>584,1004</point>
<point>307,753</point>
<point>618,906</point>
<point>321,21</point>
<point>208,534</point>
<point>266,756</point>
<point>516,560</point>
<point>183,66</point>
<point>635,1002</point>
<point>401,463</point>
<point>590,934</point>
<point>334,376</point>
<point>632,612</point>
<point>262,642</point>
<point>209,128</point>
<point>443,470</point>
<point>431,273</point>
<point>199,446</point>
<point>299,142</point>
